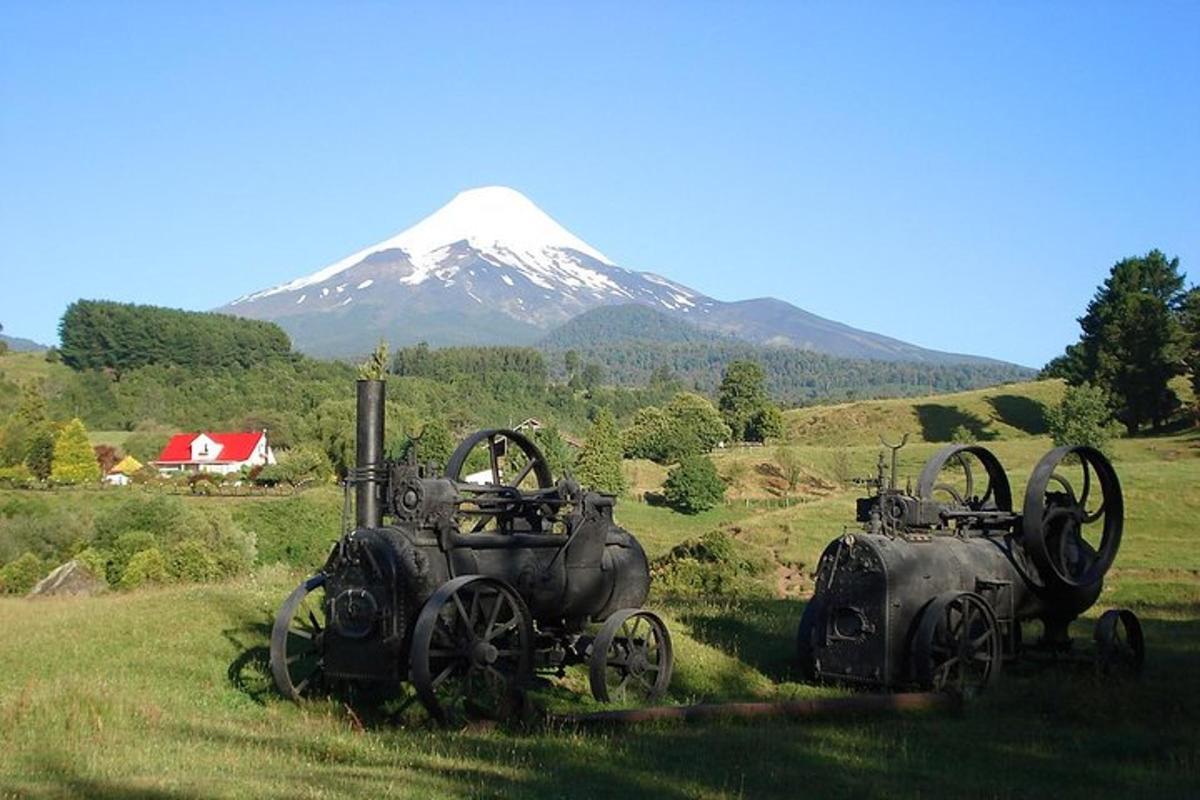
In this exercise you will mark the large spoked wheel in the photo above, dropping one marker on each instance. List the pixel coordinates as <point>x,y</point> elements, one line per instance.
<point>472,650</point>
<point>631,658</point>
<point>1120,648</point>
<point>514,465</point>
<point>297,640</point>
<point>1073,538</point>
<point>940,479</point>
<point>957,646</point>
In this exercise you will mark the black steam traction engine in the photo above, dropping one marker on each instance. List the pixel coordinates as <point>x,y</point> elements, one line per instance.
<point>933,591</point>
<point>473,586</point>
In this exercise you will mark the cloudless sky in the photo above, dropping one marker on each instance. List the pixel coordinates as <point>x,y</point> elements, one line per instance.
<point>956,175</point>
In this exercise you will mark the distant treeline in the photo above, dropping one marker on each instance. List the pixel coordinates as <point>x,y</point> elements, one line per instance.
<point>451,362</point>
<point>100,334</point>
<point>794,376</point>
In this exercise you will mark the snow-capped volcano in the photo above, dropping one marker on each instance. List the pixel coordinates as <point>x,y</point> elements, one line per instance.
<point>489,255</point>
<point>490,267</point>
<point>498,223</point>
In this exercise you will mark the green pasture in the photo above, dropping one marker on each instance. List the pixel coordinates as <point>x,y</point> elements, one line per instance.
<point>161,693</point>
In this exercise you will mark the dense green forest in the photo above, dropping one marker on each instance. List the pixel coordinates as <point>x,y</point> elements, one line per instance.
<point>101,334</point>
<point>794,377</point>
<point>632,343</point>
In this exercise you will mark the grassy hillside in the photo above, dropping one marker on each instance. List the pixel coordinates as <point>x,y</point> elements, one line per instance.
<point>1000,412</point>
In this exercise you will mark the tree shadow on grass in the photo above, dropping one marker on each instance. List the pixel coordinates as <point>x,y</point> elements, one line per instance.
<point>1023,413</point>
<point>760,633</point>
<point>939,423</point>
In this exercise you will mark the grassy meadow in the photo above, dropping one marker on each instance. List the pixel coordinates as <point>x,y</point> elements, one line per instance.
<point>162,693</point>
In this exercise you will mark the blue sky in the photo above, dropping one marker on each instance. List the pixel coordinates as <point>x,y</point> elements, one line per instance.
<point>956,175</point>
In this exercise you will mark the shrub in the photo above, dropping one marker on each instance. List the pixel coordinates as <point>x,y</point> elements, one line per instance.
<point>694,485</point>
<point>52,532</point>
<point>124,549</point>
<point>688,425</point>
<point>299,466</point>
<point>191,561</point>
<point>18,577</point>
<point>297,531</point>
<point>16,477</point>
<point>95,561</point>
<point>1083,417</point>
<point>145,568</point>
<point>767,423</point>
<point>708,567</point>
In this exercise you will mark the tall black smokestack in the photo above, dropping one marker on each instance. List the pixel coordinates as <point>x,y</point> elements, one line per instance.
<point>369,455</point>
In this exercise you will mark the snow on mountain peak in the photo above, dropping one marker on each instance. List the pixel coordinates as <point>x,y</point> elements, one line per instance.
<point>494,220</point>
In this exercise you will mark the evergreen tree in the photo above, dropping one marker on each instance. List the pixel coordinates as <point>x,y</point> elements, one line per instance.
<point>558,454</point>
<point>1130,340</point>
<point>74,460</point>
<point>599,464</point>
<point>693,485</point>
<point>1189,319</point>
<point>39,453</point>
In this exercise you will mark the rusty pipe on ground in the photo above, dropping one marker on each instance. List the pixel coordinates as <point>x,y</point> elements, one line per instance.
<point>791,709</point>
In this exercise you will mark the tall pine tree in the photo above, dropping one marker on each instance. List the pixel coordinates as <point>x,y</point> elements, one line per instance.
<point>1130,340</point>
<point>74,459</point>
<point>599,465</point>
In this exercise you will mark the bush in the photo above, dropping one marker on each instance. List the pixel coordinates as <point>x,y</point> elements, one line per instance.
<point>18,577</point>
<point>124,549</point>
<point>191,561</point>
<point>169,521</point>
<point>51,531</point>
<point>694,485</point>
<point>688,425</point>
<point>145,568</point>
<point>1084,417</point>
<point>709,567</point>
<point>299,466</point>
<point>297,531</point>
<point>95,561</point>
<point>16,477</point>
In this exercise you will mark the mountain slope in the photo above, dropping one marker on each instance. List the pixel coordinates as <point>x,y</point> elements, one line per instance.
<point>490,267</point>
<point>19,345</point>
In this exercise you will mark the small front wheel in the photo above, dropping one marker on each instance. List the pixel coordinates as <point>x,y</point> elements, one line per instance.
<point>631,658</point>
<point>1120,648</point>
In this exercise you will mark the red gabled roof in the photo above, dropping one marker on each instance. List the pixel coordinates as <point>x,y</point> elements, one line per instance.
<point>234,447</point>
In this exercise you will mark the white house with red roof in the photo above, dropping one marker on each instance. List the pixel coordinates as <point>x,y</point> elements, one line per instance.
<point>210,451</point>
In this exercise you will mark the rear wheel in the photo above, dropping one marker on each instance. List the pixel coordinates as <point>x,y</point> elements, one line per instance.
<point>472,650</point>
<point>631,658</point>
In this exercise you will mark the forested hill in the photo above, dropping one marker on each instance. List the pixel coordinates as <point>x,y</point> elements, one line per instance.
<point>628,323</point>
<point>633,343</point>
<point>101,334</point>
